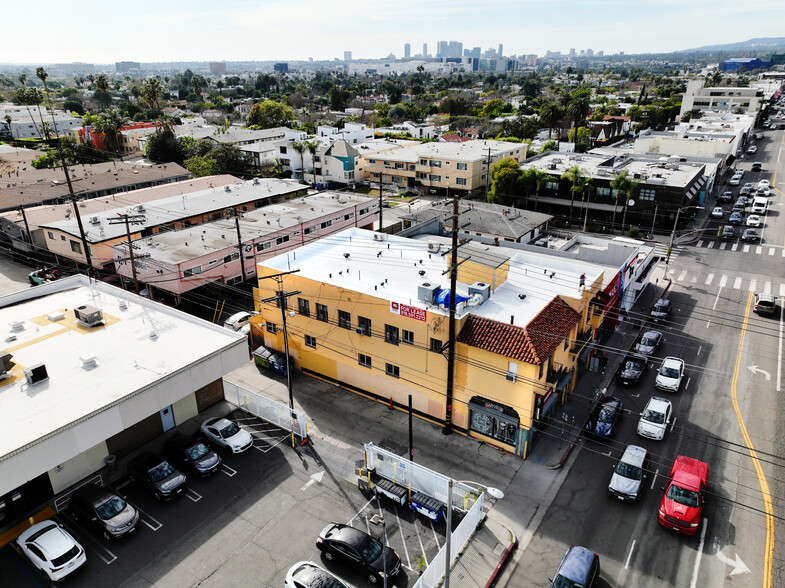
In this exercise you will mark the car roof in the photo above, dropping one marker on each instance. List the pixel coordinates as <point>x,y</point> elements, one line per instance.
<point>576,563</point>
<point>347,534</point>
<point>764,296</point>
<point>658,403</point>
<point>652,332</point>
<point>218,422</point>
<point>634,454</point>
<point>670,360</point>
<point>93,493</point>
<point>181,441</point>
<point>52,539</point>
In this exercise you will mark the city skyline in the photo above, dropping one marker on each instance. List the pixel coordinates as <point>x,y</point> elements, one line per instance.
<point>240,30</point>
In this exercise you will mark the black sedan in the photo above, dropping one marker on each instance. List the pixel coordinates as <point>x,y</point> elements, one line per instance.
<point>350,545</point>
<point>182,449</point>
<point>649,342</point>
<point>157,475</point>
<point>631,369</point>
<point>606,413</point>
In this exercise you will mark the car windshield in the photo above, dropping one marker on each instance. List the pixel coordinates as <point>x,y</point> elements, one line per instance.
<point>632,365</point>
<point>111,508</point>
<point>649,340</point>
<point>197,451</point>
<point>606,414</point>
<point>161,472</point>
<point>629,471</point>
<point>661,307</point>
<point>562,582</point>
<point>683,496</point>
<point>669,372</point>
<point>370,549</point>
<point>653,416</point>
<point>230,430</point>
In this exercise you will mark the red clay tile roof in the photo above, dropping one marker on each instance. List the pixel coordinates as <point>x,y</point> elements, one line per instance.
<point>533,344</point>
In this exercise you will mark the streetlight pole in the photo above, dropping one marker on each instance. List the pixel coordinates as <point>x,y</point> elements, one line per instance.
<point>673,233</point>
<point>653,220</point>
<point>493,492</point>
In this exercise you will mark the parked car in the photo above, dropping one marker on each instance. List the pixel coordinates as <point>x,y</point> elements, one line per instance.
<point>746,189</point>
<point>735,218</point>
<point>355,547</point>
<point>51,549</point>
<point>758,136</point>
<point>735,181</point>
<point>764,184</point>
<point>753,220</point>
<point>738,207</point>
<point>103,509</point>
<point>750,235</point>
<point>649,342</point>
<point>182,449</point>
<point>717,212</point>
<point>157,475</point>
<point>655,418</point>
<point>752,149</point>
<point>580,568</point>
<point>306,574</point>
<point>765,303</point>
<point>763,191</point>
<point>631,369</point>
<point>238,320</point>
<point>660,309</point>
<point>725,197</point>
<point>628,475</point>
<point>670,374</point>
<point>681,507</point>
<point>727,232</point>
<point>227,434</point>
<point>603,418</point>
<point>743,200</point>
<point>757,166</point>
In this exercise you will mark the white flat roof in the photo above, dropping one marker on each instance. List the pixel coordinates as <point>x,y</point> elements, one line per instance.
<point>390,270</point>
<point>128,359</point>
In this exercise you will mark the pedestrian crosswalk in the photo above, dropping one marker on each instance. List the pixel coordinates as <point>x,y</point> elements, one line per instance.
<point>661,250</point>
<point>725,281</point>
<point>740,247</point>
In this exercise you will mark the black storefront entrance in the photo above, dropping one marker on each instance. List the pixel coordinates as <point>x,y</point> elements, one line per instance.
<point>494,420</point>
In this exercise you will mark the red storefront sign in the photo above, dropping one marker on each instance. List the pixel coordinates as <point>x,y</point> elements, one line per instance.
<point>408,311</point>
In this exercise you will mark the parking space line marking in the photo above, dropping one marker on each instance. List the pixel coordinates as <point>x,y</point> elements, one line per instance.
<point>435,536</point>
<point>422,548</point>
<point>709,279</point>
<point>723,246</point>
<point>76,529</point>
<point>723,281</point>
<point>771,250</point>
<point>629,557</point>
<point>227,470</point>
<point>654,479</point>
<point>753,285</point>
<point>367,525</point>
<point>737,283</point>
<point>156,521</point>
<point>403,539</point>
<point>734,247</point>
<point>359,512</point>
<point>700,243</point>
<point>782,287</point>
<point>767,287</point>
<point>682,275</point>
<point>758,249</point>
<point>746,249</point>
<point>189,491</point>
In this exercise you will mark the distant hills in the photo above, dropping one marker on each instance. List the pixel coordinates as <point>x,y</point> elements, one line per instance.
<point>758,45</point>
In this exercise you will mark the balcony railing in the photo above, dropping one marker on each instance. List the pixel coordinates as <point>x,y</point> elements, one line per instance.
<point>555,375</point>
<point>581,340</point>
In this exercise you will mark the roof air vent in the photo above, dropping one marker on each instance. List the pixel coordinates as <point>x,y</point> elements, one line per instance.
<point>89,362</point>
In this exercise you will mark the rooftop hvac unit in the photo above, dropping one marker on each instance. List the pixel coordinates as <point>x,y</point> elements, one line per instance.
<point>17,325</point>
<point>89,316</point>
<point>88,362</point>
<point>227,188</point>
<point>427,292</point>
<point>36,374</point>
<point>256,180</point>
<point>94,220</point>
<point>139,208</point>
<point>482,289</point>
<point>434,246</point>
<point>379,236</point>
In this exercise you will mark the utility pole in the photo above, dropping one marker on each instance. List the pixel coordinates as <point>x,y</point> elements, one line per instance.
<point>237,214</point>
<point>381,202</point>
<point>488,174</point>
<point>129,219</point>
<point>27,227</point>
<point>282,298</point>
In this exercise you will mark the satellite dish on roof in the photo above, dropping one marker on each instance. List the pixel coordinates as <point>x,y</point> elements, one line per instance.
<point>630,202</point>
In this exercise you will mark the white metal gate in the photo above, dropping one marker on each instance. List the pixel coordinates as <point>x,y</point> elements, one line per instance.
<point>266,409</point>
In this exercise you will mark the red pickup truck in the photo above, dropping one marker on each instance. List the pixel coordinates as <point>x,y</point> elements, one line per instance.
<point>681,508</point>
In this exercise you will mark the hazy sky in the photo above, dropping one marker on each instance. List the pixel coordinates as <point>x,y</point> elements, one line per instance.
<point>55,31</point>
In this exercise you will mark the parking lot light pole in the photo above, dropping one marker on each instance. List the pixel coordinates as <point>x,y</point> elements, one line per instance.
<point>493,492</point>
<point>673,233</point>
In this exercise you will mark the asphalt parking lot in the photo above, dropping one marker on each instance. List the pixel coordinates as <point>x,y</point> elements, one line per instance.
<point>244,526</point>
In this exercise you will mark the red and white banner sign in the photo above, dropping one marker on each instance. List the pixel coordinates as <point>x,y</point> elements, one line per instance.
<point>408,311</point>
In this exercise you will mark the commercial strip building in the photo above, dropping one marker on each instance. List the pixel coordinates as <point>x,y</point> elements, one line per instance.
<point>371,314</point>
<point>89,371</point>
<point>63,237</point>
<point>182,260</point>
<point>734,99</point>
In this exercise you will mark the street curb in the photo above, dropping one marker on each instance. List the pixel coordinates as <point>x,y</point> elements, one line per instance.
<point>504,558</point>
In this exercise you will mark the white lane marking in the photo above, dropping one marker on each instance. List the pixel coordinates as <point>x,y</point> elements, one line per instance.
<point>695,569</point>
<point>359,512</point>
<point>629,557</point>
<point>783,253</point>
<point>673,424</point>
<point>753,285</point>
<point>700,243</point>
<point>435,536</point>
<point>699,350</point>
<point>147,516</point>
<point>708,280</point>
<point>782,287</point>
<point>779,354</point>
<point>682,275</point>
<point>196,496</point>
<point>767,287</point>
<point>771,250</point>
<point>227,470</point>
<point>405,550</point>
<point>723,281</point>
<point>654,479</point>
<point>746,249</point>
<point>758,249</point>
<point>737,283</point>
<point>734,247</point>
<point>419,539</point>
<point>687,385</point>
<point>723,246</point>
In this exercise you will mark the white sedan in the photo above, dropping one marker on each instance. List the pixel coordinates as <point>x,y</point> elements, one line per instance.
<point>717,212</point>
<point>51,549</point>
<point>763,183</point>
<point>306,574</point>
<point>670,374</point>
<point>227,434</point>
<point>655,418</point>
<point>752,149</point>
<point>753,220</point>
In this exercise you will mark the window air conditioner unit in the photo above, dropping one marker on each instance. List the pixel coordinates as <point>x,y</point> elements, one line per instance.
<point>94,220</point>
<point>510,377</point>
<point>379,236</point>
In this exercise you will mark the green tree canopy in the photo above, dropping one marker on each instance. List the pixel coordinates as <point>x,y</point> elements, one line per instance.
<point>505,181</point>
<point>269,114</point>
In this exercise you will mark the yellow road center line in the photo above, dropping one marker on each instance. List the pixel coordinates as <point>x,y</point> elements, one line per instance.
<point>764,485</point>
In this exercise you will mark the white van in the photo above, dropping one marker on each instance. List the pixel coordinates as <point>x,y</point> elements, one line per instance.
<point>759,205</point>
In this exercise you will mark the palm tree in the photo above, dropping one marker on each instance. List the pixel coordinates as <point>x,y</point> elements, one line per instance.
<point>550,113</point>
<point>578,109</point>
<point>620,184</point>
<point>584,189</point>
<point>109,123</point>
<point>151,93</point>
<point>312,147</point>
<point>299,148</point>
<point>632,189</point>
<point>24,98</point>
<point>542,179</point>
<point>576,177</point>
